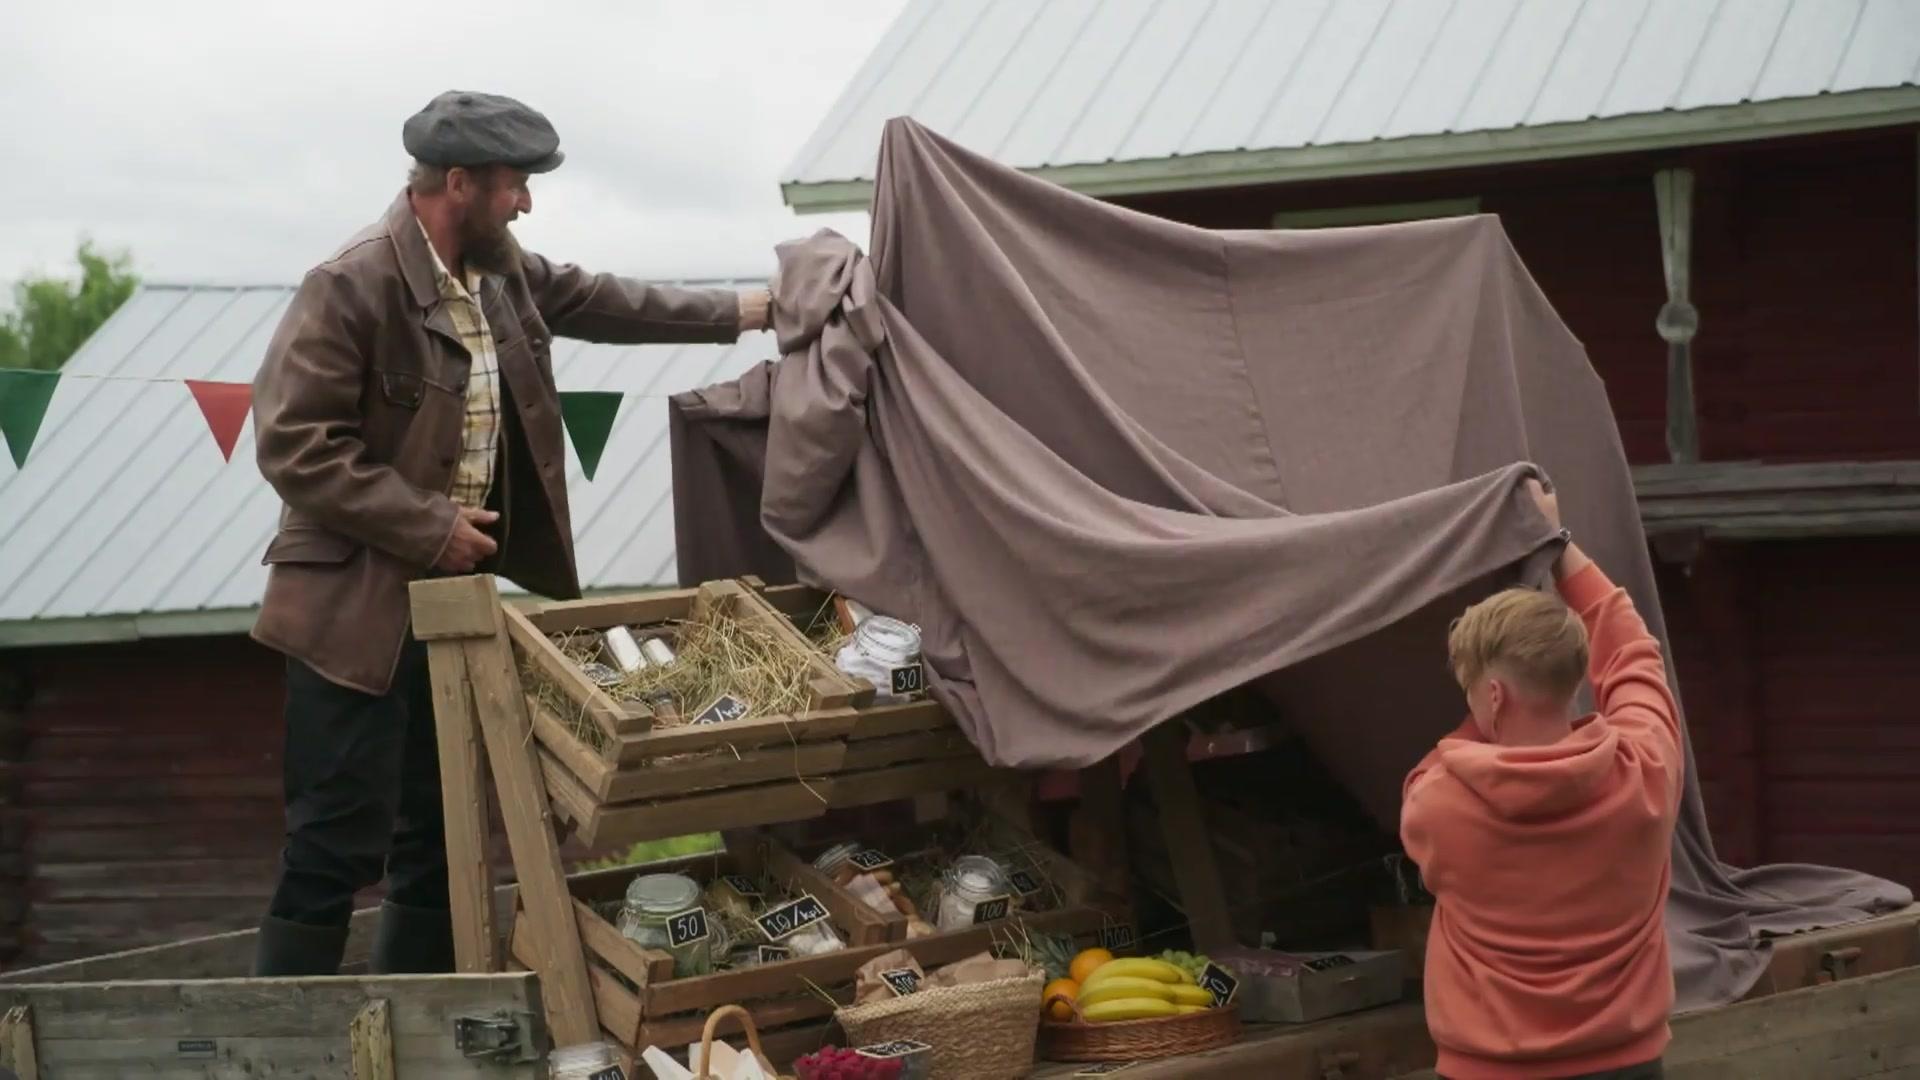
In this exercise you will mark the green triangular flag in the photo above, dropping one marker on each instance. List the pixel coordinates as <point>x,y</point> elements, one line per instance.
<point>589,418</point>
<point>23,404</point>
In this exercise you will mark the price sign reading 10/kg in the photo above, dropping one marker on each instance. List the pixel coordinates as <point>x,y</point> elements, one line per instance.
<point>782,921</point>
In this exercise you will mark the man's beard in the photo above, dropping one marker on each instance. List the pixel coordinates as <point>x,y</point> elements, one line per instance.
<point>487,248</point>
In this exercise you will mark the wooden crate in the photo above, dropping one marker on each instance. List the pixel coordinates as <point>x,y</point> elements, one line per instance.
<point>1063,886</point>
<point>640,1004</point>
<point>649,780</point>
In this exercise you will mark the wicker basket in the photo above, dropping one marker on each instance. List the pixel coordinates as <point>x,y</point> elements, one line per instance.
<point>753,1041</point>
<point>981,1031</point>
<point>1139,1040</point>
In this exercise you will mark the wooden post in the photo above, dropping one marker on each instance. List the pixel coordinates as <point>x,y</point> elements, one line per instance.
<point>1189,845</point>
<point>1097,832</point>
<point>465,801</point>
<point>1679,320</point>
<point>467,610</point>
<point>371,1037</point>
<point>16,1043</point>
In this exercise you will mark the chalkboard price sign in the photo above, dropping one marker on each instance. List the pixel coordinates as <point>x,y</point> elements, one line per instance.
<point>987,911</point>
<point>725,707</point>
<point>773,954</point>
<point>687,928</point>
<point>1025,883</point>
<point>1327,963</point>
<point>742,885</point>
<point>1221,983</point>
<point>782,921</point>
<point>898,1048</point>
<point>870,860</point>
<point>611,1072</point>
<point>1117,937</point>
<point>902,981</point>
<point>908,680</point>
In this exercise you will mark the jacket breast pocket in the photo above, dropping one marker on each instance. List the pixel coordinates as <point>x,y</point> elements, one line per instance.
<point>405,389</point>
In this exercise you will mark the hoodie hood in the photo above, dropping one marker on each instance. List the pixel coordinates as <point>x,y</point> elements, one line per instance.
<point>1533,782</point>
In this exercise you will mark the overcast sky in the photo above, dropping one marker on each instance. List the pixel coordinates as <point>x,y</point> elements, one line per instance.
<point>241,140</point>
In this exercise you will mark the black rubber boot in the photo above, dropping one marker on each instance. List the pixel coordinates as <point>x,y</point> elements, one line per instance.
<point>413,941</point>
<point>291,948</point>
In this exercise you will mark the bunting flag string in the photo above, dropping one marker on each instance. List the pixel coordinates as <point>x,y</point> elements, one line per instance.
<point>25,395</point>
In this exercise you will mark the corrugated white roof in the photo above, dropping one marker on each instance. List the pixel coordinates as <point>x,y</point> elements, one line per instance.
<point>125,508</point>
<point>1084,82</point>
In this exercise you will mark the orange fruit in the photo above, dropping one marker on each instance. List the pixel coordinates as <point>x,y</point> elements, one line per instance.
<point>1087,962</point>
<point>1055,1010</point>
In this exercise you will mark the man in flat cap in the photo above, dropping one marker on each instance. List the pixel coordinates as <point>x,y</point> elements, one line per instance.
<point>406,413</point>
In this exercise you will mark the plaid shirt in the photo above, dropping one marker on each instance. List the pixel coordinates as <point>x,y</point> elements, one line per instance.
<point>473,476</point>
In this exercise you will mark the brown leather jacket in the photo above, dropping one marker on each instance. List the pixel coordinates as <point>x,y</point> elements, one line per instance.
<point>358,410</point>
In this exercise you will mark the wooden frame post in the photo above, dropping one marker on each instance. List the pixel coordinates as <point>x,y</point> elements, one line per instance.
<point>477,685</point>
<point>17,1051</point>
<point>1679,320</point>
<point>1189,845</point>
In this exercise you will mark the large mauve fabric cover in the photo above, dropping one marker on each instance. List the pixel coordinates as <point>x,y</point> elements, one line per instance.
<point>1114,465</point>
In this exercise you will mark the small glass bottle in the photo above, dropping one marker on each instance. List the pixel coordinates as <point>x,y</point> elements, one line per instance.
<point>878,646</point>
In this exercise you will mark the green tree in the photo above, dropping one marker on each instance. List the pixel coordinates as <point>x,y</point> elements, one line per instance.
<point>52,316</point>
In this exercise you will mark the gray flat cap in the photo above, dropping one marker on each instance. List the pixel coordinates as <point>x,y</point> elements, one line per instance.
<point>463,128</point>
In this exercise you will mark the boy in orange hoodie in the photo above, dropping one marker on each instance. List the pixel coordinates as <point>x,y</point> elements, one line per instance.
<point>1545,837</point>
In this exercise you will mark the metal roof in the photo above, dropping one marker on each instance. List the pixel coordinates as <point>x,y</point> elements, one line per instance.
<point>1234,91</point>
<point>125,522</point>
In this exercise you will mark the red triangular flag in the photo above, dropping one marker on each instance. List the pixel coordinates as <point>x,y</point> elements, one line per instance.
<point>225,405</point>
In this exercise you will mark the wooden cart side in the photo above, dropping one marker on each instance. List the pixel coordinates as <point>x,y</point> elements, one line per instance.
<point>272,1027</point>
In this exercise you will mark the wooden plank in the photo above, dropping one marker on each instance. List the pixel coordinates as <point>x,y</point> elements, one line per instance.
<point>465,804</point>
<point>880,721</point>
<point>895,749</point>
<point>1853,1028</point>
<point>660,778</point>
<point>502,708</point>
<point>600,612</point>
<point>572,803</point>
<point>422,1007</point>
<point>449,609</point>
<point>642,966</point>
<point>612,717</point>
<point>593,771</point>
<point>862,924</point>
<point>1734,477</point>
<point>1887,943</point>
<point>216,956</point>
<point>17,1051</point>
<point>371,1038</point>
<point>1194,869</point>
<point>801,1004</point>
<point>909,781</point>
<point>764,804</point>
<point>751,734</point>
<point>615,1008</point>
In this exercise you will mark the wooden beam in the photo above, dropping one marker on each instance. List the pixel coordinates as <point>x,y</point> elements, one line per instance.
<point>1678,320</point>
<point>450,608</point>
<point>1748,500</point>
<point>17,1051</point>
<point>371,1039</point>
<point>1189,845</point>
<point>465,802</point>
<point>502,708</point>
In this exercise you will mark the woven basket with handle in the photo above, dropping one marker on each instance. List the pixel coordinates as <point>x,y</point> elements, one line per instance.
<point>981,1031</point>
<point>1137,1040</point>
<point>753,1042</point>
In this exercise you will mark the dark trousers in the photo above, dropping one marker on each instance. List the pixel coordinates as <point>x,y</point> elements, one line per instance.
<point>363,795</point>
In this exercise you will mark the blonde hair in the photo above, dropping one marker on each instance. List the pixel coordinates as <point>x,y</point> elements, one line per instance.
<point>1529,636</point>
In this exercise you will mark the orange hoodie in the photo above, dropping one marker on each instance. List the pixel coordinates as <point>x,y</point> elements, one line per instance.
<point>1549,867</point>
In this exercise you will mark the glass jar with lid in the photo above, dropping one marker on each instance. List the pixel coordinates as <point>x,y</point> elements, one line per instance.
<point>652,900</point>
<point>971,880</point>
<point>879,645</point>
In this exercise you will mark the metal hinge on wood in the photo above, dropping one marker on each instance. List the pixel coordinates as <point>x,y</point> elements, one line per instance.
<point>1837,964</point>
<point>502,1038</point>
